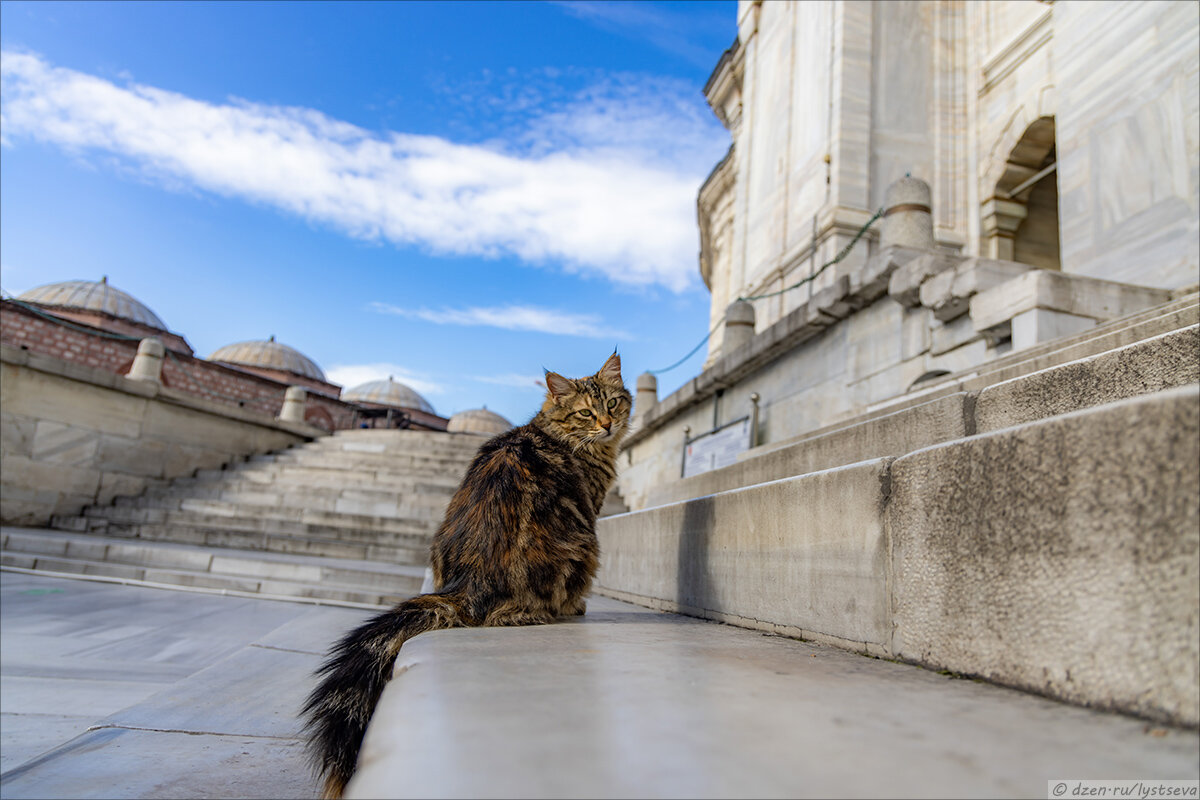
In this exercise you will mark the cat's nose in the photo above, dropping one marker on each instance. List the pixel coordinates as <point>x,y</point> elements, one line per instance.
<point>606,423</point>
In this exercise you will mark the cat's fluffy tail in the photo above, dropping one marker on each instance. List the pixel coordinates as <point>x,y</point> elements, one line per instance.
<point>355,673</point>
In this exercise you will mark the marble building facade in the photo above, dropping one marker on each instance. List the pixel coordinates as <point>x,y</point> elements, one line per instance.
<point>1060,145</point>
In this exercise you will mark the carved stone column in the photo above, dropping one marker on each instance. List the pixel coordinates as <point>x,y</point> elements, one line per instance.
<point>1000,220</point>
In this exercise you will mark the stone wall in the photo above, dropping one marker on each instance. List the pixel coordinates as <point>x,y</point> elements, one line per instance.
<point>86,346</point>
<point>72,435</point>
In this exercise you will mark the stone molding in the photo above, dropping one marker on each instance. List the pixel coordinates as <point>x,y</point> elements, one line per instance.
<point>149,390</point>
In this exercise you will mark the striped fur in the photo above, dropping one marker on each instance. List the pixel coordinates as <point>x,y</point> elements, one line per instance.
<point>517,547</point>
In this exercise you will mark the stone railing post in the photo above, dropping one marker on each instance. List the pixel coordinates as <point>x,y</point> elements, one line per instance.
<point>293,404</point>
<point>647,395</point>
<point>147,364</point>
<point>739,325</point>
<point>907,215</point>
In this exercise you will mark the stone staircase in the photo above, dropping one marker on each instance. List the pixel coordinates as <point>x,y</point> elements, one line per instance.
<point>1034,521</point>
<point>347,519</point>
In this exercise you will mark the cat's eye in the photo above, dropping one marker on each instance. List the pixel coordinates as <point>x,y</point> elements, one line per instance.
<point>583,412</point>
<point>612,404</point>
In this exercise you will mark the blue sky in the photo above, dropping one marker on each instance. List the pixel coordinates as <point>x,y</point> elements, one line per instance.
<point>458,194</point>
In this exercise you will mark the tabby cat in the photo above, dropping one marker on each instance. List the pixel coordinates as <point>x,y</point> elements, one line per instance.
<point>517,547</point>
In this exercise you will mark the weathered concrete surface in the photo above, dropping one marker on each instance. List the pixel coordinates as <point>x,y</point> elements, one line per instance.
<point>1060,556</point>
<point>118,691</point>
<point>804,553</point>
<point>907,430</point>
<point>1163,362</point>
<point>626,702</point>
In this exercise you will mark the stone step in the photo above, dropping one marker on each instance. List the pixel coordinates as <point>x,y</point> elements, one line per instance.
<point>1074,576</point>
<point>393,549</point>
<point>375,495</point>
<point>396,464</point>
<point>1119,333</point>
<point>454,448</point>
<point>266,573</point>
<point>316,475</point>
<point>421,490</point>
<point>408,438</point>
<point>1169,317</point>
<point>425,480</point>
<point>374,502</point>
<point>1165,361</point>
<point>1162,362</point>
<point>296,522</point>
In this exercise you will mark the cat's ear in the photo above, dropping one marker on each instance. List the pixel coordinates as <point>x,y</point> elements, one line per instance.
<point>558,385</point>
<point>611,371</point>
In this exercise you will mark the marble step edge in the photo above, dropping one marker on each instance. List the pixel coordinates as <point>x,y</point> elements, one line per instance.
<point>403,553</point>
<point>380,603</point>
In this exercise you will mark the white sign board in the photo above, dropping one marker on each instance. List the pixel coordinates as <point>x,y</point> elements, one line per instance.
<point>716,450</point>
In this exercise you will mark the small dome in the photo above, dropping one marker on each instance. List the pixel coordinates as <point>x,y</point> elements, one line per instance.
<point>388,393</point>
<point>478,420</point>
<point>93,296</point>
<point>268,355</point>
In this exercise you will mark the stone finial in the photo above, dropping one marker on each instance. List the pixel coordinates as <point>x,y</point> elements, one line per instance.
<point>147,364</point>
<point>647,394</point>
<point>907,217</point>
<point>739,325</point>
<point>293,404</point>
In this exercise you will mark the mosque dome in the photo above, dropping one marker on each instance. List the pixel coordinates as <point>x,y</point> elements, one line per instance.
<point>93,296</point>
<point>268,355</point>
<point>388,392</point>
<point>478,420</point>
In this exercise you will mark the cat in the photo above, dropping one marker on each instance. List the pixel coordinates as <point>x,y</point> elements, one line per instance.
<point>517,546</point>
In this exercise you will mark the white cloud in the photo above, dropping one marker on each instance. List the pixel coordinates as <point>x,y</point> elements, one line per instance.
<point>351,375</point>
<point>512,318</point>
<point>604,185</point>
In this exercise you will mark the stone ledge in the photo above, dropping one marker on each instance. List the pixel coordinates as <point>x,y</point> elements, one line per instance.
<point>1070,542</point>
<point>149,390</point>
<point>807,552</point>
<point>1163,362</point>
<point>1061,292</point>
<point>1060,557</point>
<point>1102,338</point>
<point>626,703</point>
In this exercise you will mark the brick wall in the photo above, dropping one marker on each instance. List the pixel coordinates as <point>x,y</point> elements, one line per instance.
<point>83,344</point>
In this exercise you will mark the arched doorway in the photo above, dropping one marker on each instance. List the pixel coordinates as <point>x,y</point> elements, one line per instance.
<point>1020,221</point>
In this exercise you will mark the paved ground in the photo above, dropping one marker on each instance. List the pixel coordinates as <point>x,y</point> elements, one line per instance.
<point>120,691</point>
